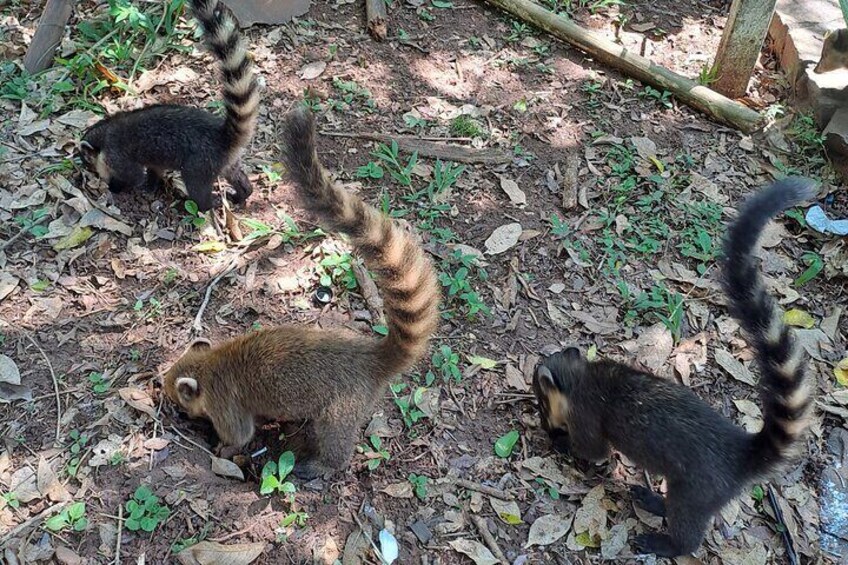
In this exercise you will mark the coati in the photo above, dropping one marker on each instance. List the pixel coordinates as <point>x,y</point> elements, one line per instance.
<point>133,149</point>
<point>297,373</point>
<point>588,407</point>
<point>834,51</point>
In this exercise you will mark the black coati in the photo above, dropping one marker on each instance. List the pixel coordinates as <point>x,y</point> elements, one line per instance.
<point>588,407</point>
<point>834,53</point>
<point>132,149</point>
<point>296,373</point>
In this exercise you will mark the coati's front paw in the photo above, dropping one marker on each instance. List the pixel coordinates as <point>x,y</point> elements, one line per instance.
<point>660,545</point>
<point>226,451</point>
<point>648,500</point>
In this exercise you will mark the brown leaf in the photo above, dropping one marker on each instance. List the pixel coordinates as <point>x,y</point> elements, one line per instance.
<point>212,553</point>
<point>503,238</point>
<point>515,378</point>
<point>138,399</point>
<point>156,443</point>
<point>399,490</point>
<point>736,369</point>
<point>652,347</point>
<point>226,468</point>
<point>48,483</point>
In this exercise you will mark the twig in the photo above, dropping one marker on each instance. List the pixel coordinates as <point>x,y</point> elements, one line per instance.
<point>487,536</point>
<point>371,541</point>
<point>117,560</point>
<point>194,443</point>
<point>433,148</point>
<point>491,491</point>
<point>370,293</point>
<point>31,523</point>
<point>231,535</point>
<point>55,385</point>
<point>20,234</point>
<point>784,531</point>
<point>197,325</point>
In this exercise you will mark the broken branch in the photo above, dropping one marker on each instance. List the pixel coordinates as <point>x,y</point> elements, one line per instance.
<point>433,149</point>
<point>375,11</point>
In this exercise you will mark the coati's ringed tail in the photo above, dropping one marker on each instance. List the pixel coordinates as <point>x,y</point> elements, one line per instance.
<point>406,278</point>
<point>785,389</point>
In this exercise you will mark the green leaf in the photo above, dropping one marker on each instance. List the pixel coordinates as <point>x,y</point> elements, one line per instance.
<point>269,484</point>
<point>376,442</point>
<point>80,524</point>
<point>76,510</point>
<point>286,464</point>
<point>288,488</point>
<point>442,4</point>
<point>505,443</point>
<point>132,524</point>
<point>757,493</point>
<point>816,264</point>
<point>142,493</point>
<point>191,207</point>
<point>57,522</point>
<point>510,519</point>
<point>148,524</point>
<point>210,247</point>
<point>132,506</point>
<point>484,362</point>
<point>380,329</point>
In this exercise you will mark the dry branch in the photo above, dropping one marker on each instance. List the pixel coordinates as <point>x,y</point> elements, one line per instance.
<point>375,11</point>
<point>433,149</point>
<point>723,109</point>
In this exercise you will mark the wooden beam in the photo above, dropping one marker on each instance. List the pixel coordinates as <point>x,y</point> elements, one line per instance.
<point>741,44</point>
<point>51,28</point>
<point>375,11</point>
<point>686,90</point>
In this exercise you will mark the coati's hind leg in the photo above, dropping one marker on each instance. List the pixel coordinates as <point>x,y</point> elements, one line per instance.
<point>199,187</point>
<point>155,179</point>
<point>687,518</point>
<point>242,189</point>
<point>648,500</point>
<point>335,443</point>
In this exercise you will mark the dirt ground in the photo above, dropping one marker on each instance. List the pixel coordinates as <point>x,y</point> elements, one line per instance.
<point>619,195</point>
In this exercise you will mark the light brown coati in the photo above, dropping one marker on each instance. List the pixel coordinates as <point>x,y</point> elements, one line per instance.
<point>589,407</point>
<point>298,373</point>
<point>129,150</point>
<point>834,55</point>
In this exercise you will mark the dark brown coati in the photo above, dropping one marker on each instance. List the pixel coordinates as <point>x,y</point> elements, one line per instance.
<point>296,373</point>
<point>589,407</point>
<point>129,150</point>
<point>834,53</point>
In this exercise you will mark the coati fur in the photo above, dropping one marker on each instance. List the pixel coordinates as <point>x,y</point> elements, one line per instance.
<point>132,149</point>
<point>297,373</point>
<point>588,407</point>
<point>834,54</point>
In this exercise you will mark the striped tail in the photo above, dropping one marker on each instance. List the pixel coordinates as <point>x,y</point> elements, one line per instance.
<point>785,390</point>
<point>405,276</point>
<point>240,87</point>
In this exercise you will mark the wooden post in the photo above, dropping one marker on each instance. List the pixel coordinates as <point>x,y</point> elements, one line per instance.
<point>51,28</point>
<point>741,44</point>
<point>686,90</point>
<point>375,11</point>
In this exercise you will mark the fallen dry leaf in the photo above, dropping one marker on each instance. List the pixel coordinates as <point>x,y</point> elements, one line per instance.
<point>11,388</point>
<point>798,318</point>
<point>515,194</point>
<point>503,238</point>
<point>399,490</point>
<point>212,553</point>
<point>48,483</point>
<point>616,541</point>
<point>547,529</point>
<point>507,510</point>
<point>312,70</point>
<point>515,378</point>
<point>652,347</point>
<point>736,369</point>
<point>97,219</point>
<point>478,552</point>
<point>138,399</point>
<point>226,468</point>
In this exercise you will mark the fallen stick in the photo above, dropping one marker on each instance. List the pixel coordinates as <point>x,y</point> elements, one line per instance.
<point>427,148</point>
<point>487,536</point>
<point>31,522</point>
<point>700,97</point>
<point>55,385</point>
<point>48,35</point>
<point>370,293</point>
<point>491,491</point>
<point>375,12</point>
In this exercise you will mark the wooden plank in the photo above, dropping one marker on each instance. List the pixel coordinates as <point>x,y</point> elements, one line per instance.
<point>48,35</point>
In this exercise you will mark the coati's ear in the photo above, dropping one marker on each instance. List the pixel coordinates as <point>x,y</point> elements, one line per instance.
<point>86,148</point>
<point>572,354</point>
<point>200,344</point>
<point>187,389</point>
<point>545,379</point>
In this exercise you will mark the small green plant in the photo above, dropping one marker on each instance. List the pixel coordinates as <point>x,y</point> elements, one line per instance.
<point>185,543</point>
<point>297,518</point>
<point>665,305</point>
<point>708,75</point>
<point>446,365</point>
<point>312,102</point>
<point>193,215</point>
<point>371,170</point>
<point>375,452</point>
<point>78,442</point>
<point>143,511</point>
<point>274,173</point>
<point>338,268</point>
<point>72,517</point>
<point>815,265</point>
<point>547,489</point>
<point>456,277</point>
<point>466,126</point>
<point>505,444</point>
<point>419,484</point>
<point>117,458</point>
<point>661,97</point>
<point>32,221</point>
<point>351,94</point>
<point>274,476</point>
<point>414,122</point>
<point>517,31</point>
<point>390,156</point>
<point>154,308</point>
<point>409,404</point>
<point>98,384</point>
<point>11,500</point>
